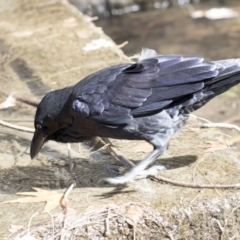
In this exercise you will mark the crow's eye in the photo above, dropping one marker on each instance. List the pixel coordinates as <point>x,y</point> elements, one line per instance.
<point>39,126</point>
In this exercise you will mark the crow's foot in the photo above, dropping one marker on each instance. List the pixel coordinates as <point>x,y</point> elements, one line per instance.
<point>132,175</point>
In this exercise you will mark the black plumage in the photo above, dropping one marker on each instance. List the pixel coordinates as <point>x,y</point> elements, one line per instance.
<point>148,100</point>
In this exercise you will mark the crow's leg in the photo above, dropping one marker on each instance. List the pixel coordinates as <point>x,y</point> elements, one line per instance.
<point>152,171</point>
<point>139,169</point>
<point>160,143</point>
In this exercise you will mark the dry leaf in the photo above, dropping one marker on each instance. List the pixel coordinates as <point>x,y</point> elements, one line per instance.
<point>51,198</point>
<point>214,146</point>
<point>134,213</point>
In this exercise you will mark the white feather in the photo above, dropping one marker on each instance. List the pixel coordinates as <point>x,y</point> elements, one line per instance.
<point>146,53</point>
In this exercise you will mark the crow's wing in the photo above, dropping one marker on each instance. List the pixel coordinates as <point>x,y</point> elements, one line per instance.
<point>117,94</point>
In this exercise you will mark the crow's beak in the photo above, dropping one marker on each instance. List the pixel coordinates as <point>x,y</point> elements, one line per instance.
<point>38,140</point>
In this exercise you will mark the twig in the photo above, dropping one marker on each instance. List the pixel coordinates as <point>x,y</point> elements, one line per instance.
<point>195,167</point>
<point>73,181</point>
<point>122,44</point>
<point>65,196</point>
<point>226,220</point>
<point>220,125</point>
<point>70,188</point>
<point>101,148</point>
<point>222,228</point>
<point>30,222</point>
<point>209,181</point>
<point>72,173</point>
<point>71,164</point>
<point>87,200</point>
<point>17,120</point>
<point>203,119</point>
<point>107,232</point>
<point>16,127</point>
<point>195,197</point>
<point>31,102</point>
<point>193,185</point>
<point>117,153</point>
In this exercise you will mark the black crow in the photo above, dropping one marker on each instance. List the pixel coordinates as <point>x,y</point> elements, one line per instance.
<point>148,100</point>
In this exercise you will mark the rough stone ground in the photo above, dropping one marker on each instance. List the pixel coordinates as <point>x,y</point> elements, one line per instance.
<point>43,47</point>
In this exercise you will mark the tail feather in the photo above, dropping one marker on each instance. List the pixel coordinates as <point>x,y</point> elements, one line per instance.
<point>229,74</point>
<point>229,65</point>
<point>228,77</point>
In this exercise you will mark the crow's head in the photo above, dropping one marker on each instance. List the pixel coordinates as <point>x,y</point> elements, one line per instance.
<point>49,118</point>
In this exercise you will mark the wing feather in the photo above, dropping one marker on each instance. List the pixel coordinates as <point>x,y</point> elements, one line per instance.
<point>117,94</point>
